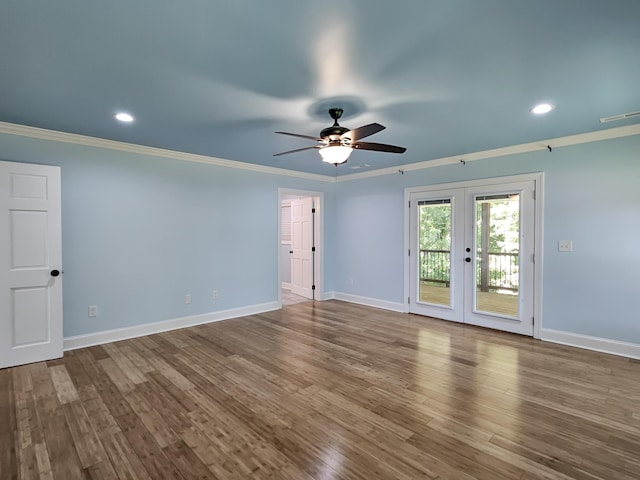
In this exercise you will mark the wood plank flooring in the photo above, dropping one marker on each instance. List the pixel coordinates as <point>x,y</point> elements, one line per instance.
<point>323,390</point>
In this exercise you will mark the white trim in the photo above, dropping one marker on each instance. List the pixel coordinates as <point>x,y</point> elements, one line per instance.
<point>538,252</point>
<point>406,273</point>
<point>286,285</point>
<point>369,302</point>
<point>108,336</point>
<point>72,138</point>
<point>596,136</point>
<point>478,182</point>
<point>598,344</point>
<point>63,137</point>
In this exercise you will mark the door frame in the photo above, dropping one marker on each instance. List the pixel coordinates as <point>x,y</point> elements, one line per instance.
<point>538,179</point>
<point>318,233</point>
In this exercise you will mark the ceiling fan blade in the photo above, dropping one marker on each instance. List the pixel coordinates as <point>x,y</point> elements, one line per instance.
<point>364,131</point>
<point>308,137</point>
<point>379,147</point>
<point>297,150</point>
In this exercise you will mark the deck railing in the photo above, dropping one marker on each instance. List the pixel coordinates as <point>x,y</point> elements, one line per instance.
<point>498,271</point>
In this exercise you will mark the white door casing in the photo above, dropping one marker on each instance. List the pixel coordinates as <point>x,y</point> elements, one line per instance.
<point>301,245</point>
<point>30,255</point>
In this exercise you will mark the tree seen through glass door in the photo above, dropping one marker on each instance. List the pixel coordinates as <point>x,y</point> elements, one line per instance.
<point>497,254</point>
<point>435,251</point>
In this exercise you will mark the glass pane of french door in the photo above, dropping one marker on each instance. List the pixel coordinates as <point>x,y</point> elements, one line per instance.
<point>434,239</point>
<point>497,275</point>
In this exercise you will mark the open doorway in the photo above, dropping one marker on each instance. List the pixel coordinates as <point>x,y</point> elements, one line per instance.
<point>299,246</point>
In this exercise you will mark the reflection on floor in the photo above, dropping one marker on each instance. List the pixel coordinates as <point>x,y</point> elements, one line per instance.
<point>289,298</point>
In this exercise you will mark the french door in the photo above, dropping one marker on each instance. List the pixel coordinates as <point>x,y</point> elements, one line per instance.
<point>472,254</point>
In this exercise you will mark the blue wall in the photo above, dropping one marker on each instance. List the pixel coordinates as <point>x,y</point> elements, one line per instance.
<point>592,196</point>
<point>140,232</point>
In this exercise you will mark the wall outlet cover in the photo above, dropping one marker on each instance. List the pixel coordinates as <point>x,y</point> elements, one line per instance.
<point>565,245</point>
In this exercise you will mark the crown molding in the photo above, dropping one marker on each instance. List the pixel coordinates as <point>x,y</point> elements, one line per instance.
<point>577,139</point>
<point>75,139</point>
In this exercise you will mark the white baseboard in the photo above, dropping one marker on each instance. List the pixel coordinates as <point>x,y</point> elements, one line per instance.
<point>370,302</point>
<point>605,345</point>
<point>107,336</point>
<point>614,347</point>
<point>286,285</point>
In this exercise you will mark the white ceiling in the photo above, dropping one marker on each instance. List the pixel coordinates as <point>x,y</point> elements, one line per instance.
<point>446,77</point>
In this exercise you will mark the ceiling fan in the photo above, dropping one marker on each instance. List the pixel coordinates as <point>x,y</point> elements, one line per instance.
<point>336,143</point>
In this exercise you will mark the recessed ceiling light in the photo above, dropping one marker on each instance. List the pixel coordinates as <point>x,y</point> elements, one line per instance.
<point>124,117</point>
<point>542,108</point>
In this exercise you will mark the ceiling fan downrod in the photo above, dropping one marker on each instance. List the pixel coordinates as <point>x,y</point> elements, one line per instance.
<point>335,129</point>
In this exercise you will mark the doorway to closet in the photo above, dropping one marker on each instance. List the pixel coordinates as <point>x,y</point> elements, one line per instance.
<point>300,236</point>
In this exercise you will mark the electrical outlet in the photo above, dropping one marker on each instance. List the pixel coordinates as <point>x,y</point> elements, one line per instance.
<point>187,299</point>
<point>93,311</point>
<point>215,294</point>
<point>565,246</point>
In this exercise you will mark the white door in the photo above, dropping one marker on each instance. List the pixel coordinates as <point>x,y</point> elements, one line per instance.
<point>437,270</point>
<point>473,259</point>
<point>301,245</point>
<point>30,264</point>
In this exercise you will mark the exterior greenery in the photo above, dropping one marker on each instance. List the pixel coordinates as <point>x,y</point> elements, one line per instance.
<point>501,233</point>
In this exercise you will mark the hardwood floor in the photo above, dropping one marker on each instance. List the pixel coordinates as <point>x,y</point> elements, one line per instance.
<point>323,390</point>
<point>289,298</point>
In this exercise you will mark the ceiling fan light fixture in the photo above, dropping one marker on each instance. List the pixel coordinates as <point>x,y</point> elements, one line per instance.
<point>336,154</point>
<point>336,143</point>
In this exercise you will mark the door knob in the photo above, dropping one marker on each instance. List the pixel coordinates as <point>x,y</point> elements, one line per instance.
<point>468,259</point>
<point>55,273</point>
<point>468,249</point>
<point>290,251</point>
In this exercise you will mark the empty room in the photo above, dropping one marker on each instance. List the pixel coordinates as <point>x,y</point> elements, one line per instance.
<point>320,240</point>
